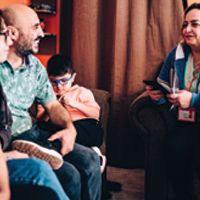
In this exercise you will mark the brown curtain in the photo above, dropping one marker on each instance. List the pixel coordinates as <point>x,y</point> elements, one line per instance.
<point>115,44</point>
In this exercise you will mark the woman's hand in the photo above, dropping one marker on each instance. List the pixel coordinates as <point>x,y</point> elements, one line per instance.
<point>181,98</point>
<point>14,154</point>
<point>156,95</point>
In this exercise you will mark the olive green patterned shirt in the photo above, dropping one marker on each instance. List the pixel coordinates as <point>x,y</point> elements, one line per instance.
<point>22,86</point>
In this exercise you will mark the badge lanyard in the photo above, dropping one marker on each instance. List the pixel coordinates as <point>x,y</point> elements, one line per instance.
<point>188,76</point>
<point>188,114</point>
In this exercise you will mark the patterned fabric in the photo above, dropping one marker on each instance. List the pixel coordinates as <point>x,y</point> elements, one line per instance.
<point>22,86</point>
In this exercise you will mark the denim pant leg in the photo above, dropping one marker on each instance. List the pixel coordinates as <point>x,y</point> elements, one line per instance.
<point>87,162</point>
<point>34,172</point>
<point>30,135</point>
<point>68,175</point>
<point>70,180</point>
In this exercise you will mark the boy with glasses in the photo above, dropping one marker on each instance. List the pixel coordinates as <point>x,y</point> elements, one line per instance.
<point>79,102</point>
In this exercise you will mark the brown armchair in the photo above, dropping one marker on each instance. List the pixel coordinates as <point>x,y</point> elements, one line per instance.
<point>152,122</point>
<point>103,99</point>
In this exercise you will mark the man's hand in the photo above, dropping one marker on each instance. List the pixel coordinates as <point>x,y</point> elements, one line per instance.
<point>67,137</point>
<point>60,116</point>
<point>181,98</point>
<point>156,95</point>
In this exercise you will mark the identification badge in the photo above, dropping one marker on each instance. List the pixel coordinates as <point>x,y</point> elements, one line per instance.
<point>187,114</point>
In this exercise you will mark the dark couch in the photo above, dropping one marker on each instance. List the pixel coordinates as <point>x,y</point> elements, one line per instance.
<point>152,122</point>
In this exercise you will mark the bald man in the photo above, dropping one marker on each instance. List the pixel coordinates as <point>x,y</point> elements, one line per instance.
<point>22,174</point>
<point>25,79</point>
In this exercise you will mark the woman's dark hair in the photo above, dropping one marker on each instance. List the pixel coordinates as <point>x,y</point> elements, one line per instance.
<point>192,6</point>
<point>59,65</point>
<point>1,20</point>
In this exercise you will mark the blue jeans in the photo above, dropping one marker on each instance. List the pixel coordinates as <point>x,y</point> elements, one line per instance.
<point>80,174</point>
<point>34,172</point>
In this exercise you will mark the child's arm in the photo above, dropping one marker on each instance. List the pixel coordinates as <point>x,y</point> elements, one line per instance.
<point>42,114</point>
<point>88,110</point>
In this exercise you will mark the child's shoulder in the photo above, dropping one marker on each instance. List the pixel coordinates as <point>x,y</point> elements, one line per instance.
<point>80,88</point>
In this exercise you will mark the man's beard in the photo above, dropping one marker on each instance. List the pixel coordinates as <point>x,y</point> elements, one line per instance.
<point>23,46</point>
<point>23,51</point>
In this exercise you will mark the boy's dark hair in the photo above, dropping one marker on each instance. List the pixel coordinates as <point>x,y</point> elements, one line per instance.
<point>59,65</point>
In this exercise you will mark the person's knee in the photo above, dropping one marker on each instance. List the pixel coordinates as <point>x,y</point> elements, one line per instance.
<point>30,164</point>
<point>73,188</point>
<point>74,179</point>
<point>40,164</point>
<point>92,163</point>
<point>196,157</point>
<point>40,167</point>
<point>176,150</point>
<point>70,180</point>
<point>170,153</point>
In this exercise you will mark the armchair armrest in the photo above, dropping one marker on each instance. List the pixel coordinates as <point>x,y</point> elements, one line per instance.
<point>103,98</point>
<point>152,122</point>
<point>147,117</point>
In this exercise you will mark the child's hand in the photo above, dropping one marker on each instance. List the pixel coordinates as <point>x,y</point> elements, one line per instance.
<point>87,110</point>
<point>68,101</point>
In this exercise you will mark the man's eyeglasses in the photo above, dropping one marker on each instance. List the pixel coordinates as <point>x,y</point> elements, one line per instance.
<point>62,81</point>
<point>6,34</point>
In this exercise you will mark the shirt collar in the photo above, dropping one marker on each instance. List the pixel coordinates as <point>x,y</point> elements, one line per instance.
<point>182,51</point>
<point>27,62</point>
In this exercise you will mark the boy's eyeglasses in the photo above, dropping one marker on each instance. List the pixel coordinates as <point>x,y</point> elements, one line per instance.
<point>62,81</point>
<point>6,34</point>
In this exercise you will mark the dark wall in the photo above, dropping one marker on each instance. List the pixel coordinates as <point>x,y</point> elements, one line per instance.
<point>66,9</point>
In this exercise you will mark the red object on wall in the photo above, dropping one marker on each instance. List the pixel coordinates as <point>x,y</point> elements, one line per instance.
<point>4,3</point>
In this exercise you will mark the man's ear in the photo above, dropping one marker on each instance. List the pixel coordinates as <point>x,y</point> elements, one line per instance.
<point>13,32</point>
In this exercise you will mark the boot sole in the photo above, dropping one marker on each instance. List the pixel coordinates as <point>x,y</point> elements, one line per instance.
<point>53,158</point>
